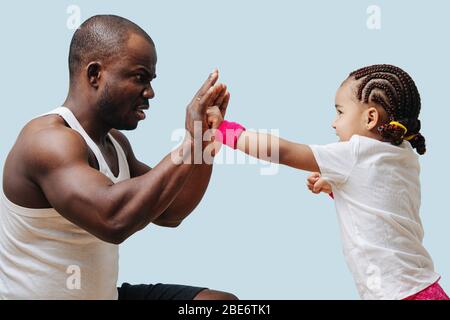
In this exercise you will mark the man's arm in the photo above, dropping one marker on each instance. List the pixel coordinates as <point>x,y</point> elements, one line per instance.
<point>194,188</point>
<point>58,163</point>
<point>189,197</point>
<point>191,192</point>
<point>57,160</point>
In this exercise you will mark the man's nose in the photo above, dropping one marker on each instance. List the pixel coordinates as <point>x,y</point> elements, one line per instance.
<point>148,92</point>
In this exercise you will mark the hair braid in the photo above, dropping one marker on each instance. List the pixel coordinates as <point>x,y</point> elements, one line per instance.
<point>395,91</point>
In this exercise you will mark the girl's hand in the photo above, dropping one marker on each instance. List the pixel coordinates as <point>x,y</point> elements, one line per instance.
<point>316,184</point>
<point>214,117</point>
<point>216,113</point>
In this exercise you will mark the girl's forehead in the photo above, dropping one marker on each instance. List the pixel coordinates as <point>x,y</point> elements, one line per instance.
<point>347,90</point>
<point>346,95</point>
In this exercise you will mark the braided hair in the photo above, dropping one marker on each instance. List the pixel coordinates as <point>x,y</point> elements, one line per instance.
<point>393,89</point>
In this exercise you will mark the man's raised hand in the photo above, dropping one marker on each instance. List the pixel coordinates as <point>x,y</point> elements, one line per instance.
<point>209,93</point>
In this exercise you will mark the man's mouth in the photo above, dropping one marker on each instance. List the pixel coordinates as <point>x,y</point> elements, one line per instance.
<point>139,111</point>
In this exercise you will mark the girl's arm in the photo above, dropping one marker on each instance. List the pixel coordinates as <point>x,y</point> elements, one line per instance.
<point>267,147</point>
<point>274,149</point>
<point>261,145</point>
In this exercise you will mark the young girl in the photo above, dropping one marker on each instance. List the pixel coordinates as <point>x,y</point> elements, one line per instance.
<point>374,175</point>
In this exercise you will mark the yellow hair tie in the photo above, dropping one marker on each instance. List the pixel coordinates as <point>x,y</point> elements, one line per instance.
<point>398,124</point>
<point>409,137</point>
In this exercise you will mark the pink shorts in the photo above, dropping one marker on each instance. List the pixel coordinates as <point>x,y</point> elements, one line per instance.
<point>433,292</point>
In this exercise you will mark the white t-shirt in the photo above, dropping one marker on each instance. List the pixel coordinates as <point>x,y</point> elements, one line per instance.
<point>376,190</point>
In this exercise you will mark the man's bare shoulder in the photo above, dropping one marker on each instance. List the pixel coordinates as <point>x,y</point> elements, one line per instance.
<point>47,141</point>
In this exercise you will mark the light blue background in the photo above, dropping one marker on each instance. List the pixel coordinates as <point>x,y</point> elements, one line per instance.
<point>260,237</point>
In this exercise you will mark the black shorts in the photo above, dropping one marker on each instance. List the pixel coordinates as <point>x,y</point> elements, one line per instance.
<point>157,291</point>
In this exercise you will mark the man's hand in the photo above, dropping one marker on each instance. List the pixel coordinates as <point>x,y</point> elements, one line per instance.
<point>208,95</point>
<point>222,103</point>
<point>316,184</point>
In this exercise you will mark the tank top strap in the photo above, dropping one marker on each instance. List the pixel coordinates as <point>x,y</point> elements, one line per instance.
<point>73,122</point>
<point>124,170</point>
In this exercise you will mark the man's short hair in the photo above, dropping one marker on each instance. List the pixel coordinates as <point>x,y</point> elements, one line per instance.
<point>100,37</point>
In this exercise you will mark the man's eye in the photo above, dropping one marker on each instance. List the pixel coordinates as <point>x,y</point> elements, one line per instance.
<point>141,78</point>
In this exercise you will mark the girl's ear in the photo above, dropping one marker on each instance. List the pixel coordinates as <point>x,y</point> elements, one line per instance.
<point>372,118</point>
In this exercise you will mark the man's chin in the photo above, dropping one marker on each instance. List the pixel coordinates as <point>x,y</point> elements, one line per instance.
<point>127,127</point>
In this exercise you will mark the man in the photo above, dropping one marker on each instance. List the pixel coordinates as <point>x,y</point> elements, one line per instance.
<point>72,187</point>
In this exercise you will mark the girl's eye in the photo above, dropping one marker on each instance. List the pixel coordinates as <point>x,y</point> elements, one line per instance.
<point>339,112</point>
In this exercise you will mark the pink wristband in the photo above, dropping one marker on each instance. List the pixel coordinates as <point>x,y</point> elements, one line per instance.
<point>228,133</point>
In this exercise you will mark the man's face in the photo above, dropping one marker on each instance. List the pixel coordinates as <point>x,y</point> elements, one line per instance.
<point>126,87</point>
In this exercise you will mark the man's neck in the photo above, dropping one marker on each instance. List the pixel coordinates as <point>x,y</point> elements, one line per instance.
<point>87,116</point>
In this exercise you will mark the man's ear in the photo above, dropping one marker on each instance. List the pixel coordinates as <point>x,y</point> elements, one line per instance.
<point>94,72</point>
<point>372,118</point>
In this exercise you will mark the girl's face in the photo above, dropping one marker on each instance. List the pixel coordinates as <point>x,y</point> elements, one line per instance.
<point>353,116</point>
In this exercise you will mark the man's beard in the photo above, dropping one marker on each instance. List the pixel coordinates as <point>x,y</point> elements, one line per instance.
<point>108,110</point>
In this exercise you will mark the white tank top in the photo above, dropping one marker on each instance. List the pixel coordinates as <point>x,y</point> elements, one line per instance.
<point>45,256</point>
